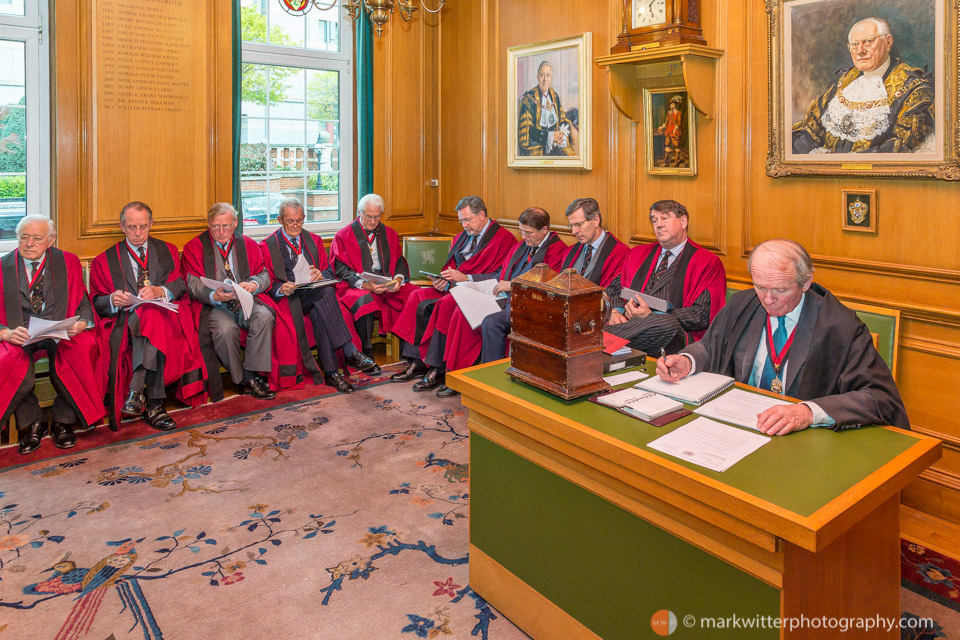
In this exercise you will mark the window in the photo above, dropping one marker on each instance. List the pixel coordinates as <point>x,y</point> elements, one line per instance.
<point>24,116</point>
<point>296,102</point>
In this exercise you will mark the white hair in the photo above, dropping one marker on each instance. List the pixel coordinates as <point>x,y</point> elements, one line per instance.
<point>36,217</point>
<point>220,208</point>
<point>789,252</point>
<point>370,198</point>
<point>883,27</point>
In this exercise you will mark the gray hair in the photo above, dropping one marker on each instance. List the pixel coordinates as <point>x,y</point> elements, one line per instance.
<point>36,217</point>
<point>288,203</point>
<point>790,252</point>
<point>883,27</point>
<point>219,208</point>
<point>543,64</point>
<point>370,198</point>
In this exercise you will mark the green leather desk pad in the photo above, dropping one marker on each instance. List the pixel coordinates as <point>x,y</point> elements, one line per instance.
<point>800,472</point>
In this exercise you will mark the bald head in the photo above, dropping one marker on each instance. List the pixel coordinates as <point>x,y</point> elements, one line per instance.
<point>781,271</point>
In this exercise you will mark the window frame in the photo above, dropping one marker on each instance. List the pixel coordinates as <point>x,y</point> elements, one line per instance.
<point>29,30</point>
<point>313,59</point>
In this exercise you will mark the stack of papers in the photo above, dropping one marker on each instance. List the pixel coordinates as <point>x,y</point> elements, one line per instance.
<point>374,278</point>
<point>620,378</point>
<point>738,407</point>
<point>40,329</point>
<point>642,404</point>
<point>160,302</point>
<point>476,300</point>
<point>709,444</point>
<point>244,296</point>
<point>695,389</point>
<point>302,277</point>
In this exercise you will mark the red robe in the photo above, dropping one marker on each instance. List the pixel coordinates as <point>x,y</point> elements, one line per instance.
<point>611,255</point>
<point>173,334</point>
<point>77,361</point>
<point>464,343</point>
<point>295,323</point>
<point>198,260</point>
<point>345,248</point>
<point>496,244</point>
<point>697,270</point>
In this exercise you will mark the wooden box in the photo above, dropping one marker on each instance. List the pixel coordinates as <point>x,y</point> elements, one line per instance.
<point>556,343</point>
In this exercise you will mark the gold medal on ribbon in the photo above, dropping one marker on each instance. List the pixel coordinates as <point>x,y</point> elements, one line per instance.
<point>146,282</point>
<point>776,386</point>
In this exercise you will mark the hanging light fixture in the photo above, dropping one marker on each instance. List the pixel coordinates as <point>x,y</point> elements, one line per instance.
<point>378,10</point>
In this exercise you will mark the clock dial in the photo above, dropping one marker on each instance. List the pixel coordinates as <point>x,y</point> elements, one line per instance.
<point>649,12</point>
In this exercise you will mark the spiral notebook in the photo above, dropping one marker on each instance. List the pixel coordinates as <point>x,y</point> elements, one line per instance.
<point>695,389</point>
<point>645,405</point>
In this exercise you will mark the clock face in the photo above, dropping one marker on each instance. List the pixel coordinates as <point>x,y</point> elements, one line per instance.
<point>649,12</point>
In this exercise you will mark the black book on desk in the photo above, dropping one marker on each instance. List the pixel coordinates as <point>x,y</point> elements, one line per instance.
<point>623,361</point>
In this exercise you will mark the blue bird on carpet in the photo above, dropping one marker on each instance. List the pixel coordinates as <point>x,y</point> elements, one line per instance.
<point>66,578</point>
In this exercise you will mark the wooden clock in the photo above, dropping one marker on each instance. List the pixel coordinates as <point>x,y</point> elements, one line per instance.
<point>659,23</point>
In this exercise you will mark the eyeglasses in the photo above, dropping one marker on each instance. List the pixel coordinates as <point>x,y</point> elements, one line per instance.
<point>527,234</point>
<point>466,220</point>
<point>24,238</point>
<point>868,43</point>
<point>221,227</point>
<point>293,223</point>
<point>137,229</point>
<point>366,216</point>
<point>576,226</point>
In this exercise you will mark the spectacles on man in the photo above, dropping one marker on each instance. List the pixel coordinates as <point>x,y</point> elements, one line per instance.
<point>868,43</point>
<point>576,226</point>
<point>527,234</point>
<point>221,227</point>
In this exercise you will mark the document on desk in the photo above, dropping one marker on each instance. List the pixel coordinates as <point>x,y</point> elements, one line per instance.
<point>709,444</point>
<point>738,407</point>
<point>244,296</point>
<point>476,300</point>
<point>41,329</point>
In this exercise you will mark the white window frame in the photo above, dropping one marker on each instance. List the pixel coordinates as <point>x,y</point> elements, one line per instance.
<point>341,62</point>
<point>29,30</point>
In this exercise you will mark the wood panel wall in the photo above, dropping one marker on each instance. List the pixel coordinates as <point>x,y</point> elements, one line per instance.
<point>913,264</point>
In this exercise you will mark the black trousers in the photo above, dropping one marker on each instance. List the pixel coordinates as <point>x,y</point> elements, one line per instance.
<point>25,403</point>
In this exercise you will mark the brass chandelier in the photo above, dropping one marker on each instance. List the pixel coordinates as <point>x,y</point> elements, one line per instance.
<point>378,10</point>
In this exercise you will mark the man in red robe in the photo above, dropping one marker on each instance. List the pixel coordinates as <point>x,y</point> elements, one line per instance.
<point>39,280</point>
<point>598,256</point>
<point>282,252</point>
<point>480,248</point>
<point>369,246</point>
<point>453,344</point>
<point>688,277</point>
<point>150,346</point>
<point>220,254</point>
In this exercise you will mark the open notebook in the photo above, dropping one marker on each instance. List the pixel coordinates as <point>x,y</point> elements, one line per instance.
<point>642,404</point>
<point>695,389</point>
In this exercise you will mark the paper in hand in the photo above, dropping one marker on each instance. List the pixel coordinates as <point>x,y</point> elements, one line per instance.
<point>41,329</point>
<point>301,271</point>
<point>244,296</point>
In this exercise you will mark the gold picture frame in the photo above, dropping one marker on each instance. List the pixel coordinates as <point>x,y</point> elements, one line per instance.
<point>539,137</point>
<point>815,128</point>
<point>859,210</point>
<point>669,132</point>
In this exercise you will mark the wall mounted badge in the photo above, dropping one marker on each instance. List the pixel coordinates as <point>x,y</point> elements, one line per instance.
<point>859,210</point>
<point>669,132</point>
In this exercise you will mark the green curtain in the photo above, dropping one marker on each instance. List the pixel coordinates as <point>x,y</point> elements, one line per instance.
<point>237,71</point>
<point>364,105</point>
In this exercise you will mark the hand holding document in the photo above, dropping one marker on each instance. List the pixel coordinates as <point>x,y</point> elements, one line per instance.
<point>244,296</point>
<point>302,275</point>
<point>709,444</point>
<point>738,407</point>
<point>160,302</point>
<point>40,329</point>
<point>476,300</point>
<point>366,276</point>
<point>655,304</point>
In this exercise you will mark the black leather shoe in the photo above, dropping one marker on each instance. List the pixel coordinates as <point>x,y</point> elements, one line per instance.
<point>413,371</point>
<point>258,388</point>
<point>158,418</point>
<point>363,363</point>
<point>443,391</point>
<point>31,436</point>
<point>338,382</point>
<point>62,435</point>
<point>133,406</point>
<point>433,379</point>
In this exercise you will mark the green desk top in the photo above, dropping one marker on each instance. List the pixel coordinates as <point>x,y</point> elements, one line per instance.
<point>800,472</point>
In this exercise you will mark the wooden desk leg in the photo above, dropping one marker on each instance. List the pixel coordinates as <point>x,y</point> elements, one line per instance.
<point>856,576</point>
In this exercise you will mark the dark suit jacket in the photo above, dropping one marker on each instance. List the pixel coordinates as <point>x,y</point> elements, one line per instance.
<point>832,361</point>
<point>85,310</point>
<point>155,269</point>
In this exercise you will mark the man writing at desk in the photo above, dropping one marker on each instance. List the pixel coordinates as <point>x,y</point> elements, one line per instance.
<point>794,337</point>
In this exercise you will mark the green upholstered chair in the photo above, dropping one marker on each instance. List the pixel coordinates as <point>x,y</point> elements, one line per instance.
<point>884,326</point>
<point>425,253</point>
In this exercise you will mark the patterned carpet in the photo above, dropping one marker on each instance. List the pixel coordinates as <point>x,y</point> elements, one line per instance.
<point>330,517</point>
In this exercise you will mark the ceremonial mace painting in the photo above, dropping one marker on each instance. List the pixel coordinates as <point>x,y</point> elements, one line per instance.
<point>863,87</point>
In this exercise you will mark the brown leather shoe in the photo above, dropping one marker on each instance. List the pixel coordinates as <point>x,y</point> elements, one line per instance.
<point>31,436</point>
<point>62,435</point>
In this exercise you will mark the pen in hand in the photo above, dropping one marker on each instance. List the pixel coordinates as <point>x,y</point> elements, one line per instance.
<point>663,356</point>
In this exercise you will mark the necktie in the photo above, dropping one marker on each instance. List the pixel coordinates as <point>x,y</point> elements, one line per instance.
<point>142,278</point>
<point>470,245</point>
<point>661,268</point>
<point>233,305</point>
<point>36,289</point>
<point>587,254</point>
<point>779,339</point>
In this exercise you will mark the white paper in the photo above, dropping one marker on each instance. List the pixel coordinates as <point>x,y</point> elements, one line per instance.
<point>655,304</point>
<point>484,286</point>
<point>644,404</point>
<point>160,302</point>
<point>629,376</point>
<point>709,444</point>
<point>42,329</point>
<point>475,305</point>
<point>374,278</point>
<point>244,296</point>
<point>694,389</point>
<point>738,407</point>
<point>301,271</point>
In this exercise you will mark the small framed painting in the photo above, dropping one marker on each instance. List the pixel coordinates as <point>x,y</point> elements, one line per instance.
<point>669,132</point>
<point>859,210</point>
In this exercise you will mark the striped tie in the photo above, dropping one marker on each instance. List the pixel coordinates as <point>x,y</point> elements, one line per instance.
<point>36,291</point>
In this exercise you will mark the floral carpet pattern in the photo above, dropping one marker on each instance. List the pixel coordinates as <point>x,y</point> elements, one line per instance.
<point>339,517</point>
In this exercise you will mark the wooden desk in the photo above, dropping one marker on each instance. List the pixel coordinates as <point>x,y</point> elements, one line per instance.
<point>578,530</point>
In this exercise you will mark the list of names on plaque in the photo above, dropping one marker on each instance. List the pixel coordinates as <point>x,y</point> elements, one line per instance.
<point>145,49</point>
